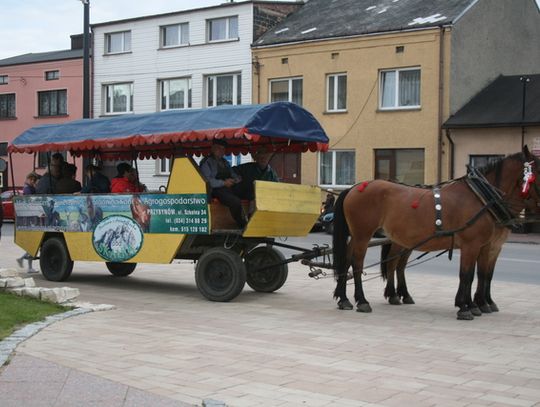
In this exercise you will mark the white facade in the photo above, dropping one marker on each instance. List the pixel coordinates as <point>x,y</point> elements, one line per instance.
<point>145,63</point>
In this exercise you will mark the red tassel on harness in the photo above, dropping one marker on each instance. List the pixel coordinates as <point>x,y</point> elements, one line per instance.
<point>415,204</point>
<point>362,186</point>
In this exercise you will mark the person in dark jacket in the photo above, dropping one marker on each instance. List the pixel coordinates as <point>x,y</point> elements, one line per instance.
<point>96,182</point>
<point>67,184</point>
<point>47,183</point>
<point>258,170</point>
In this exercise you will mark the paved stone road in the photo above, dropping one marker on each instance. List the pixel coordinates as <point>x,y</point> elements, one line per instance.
<point>292,347</point>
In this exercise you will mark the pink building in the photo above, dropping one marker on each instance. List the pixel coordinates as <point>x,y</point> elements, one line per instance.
<point>38,89</point>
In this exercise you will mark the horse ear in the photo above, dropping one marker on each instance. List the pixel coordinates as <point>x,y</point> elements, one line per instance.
<point>526,152</point>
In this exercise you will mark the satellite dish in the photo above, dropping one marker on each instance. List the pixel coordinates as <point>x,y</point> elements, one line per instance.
<point>3,165</point>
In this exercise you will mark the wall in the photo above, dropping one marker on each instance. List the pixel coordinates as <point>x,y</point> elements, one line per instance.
<point>504,140</point>
<point>25,81</point>
<point>493,38</point>
<point>362,127</point>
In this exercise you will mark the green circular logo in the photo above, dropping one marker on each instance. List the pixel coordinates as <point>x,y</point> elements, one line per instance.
<point>117,238</point>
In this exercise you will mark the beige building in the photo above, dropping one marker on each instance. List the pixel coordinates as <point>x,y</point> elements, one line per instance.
<point>383,76</point>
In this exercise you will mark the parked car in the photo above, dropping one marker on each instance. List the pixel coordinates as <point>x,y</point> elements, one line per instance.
<point>7,202</point>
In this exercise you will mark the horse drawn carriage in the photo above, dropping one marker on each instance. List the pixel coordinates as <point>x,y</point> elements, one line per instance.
<point>180,222</point>
<point>470,213</point>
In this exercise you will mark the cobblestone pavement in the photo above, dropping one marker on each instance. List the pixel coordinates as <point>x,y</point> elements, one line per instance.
<point>289,348</point>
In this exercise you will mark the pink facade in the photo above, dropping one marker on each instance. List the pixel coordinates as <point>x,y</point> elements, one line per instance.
<point>25,81</point>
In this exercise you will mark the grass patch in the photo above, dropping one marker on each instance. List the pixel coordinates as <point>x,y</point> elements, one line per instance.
<point>17,311</point>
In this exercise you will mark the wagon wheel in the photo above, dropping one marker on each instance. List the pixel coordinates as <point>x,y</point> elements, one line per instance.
<point>269,279</point>
<point>120,269</point>
<point>54,259</point>
<point>220,274</point>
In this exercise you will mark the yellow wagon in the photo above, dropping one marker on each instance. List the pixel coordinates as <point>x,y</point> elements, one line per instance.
<point>181,222</point>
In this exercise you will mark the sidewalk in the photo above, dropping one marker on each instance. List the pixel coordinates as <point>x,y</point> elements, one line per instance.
<point>165,344</point>
<point>527,238</point>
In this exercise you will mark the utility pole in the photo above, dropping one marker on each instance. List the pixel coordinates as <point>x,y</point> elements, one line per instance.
<point>86,60</point>
<point>524,80</point>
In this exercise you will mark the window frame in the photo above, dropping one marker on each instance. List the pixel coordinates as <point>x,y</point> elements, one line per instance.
<point>108,42</point>
<point>227,29</point>
<point>168,161</point>
<point>334,173</point>
<point>289,88</point>
<point>7,116</point>
<point>4,79</point>
<point>392,156</point>
<point>396,105</point>
<point>180,38</point>
<point>188,97</point>
<point>110,98</point>
<point>237,88</point>
<point>49,92</point>
<point>54,77</point>
<point>490,158</point>
<point>335,108</point>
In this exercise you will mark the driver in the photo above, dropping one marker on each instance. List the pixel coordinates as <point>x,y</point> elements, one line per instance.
<point>223,181</point>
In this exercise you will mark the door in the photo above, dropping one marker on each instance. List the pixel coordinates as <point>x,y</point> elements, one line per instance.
<point>287,166</point>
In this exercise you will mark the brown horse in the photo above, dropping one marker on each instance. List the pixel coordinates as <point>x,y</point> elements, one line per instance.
<point>416,218</point>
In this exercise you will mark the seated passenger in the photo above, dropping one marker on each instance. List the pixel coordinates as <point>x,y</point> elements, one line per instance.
<point>125,180</point>
<point>96,182</point>
<point>253,171</point>
<point>223,181</point>
<point>67,184</point>
<point>47,183</point>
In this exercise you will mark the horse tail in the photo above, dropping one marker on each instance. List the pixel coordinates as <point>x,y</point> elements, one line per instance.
<point>340,236</point>
<point>385,251</point>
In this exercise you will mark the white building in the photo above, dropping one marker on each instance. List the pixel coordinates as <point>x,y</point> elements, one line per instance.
<point>189,59</point>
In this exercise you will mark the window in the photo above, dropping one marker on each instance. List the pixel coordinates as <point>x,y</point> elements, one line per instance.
<point>118,42</point>
<point>220,29</point>
<point>224,90</point>
<point>337,92</point>
<point>52,75</point>
<point>52,103</point>
<point>175,93</point>
<point>7,106</point>
<point>164,166</point>
<point>402,165</point>
<point>400,89</point>
<point>118,98</point>
<point>479,161</point>
<point>3,148</point>
<point>174,35</point>
<point>286,90</point>
<point>4,79</point>
<point>337,168</point>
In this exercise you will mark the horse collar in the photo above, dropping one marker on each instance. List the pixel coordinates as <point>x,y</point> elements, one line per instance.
<point>438,208</point>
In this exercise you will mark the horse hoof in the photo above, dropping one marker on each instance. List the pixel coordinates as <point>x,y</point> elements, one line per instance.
<point>345,304</point>
<point>494,307</point>
<point>465,315</point>
<point>486,309</point>
<point>394,300</point>
<point>363,308</point>
<point>408,300</point>
<point>476,311</point>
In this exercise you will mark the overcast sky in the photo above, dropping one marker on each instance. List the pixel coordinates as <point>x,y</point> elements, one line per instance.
<point>45,25</point>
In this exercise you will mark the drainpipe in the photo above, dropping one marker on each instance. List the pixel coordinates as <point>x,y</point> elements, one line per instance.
<point>257,68</point>
<point>441,104</point>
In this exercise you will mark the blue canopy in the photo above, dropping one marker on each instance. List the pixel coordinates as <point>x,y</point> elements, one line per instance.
<point>282,126</point>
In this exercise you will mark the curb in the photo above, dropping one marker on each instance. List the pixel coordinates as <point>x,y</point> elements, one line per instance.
<point>8,345</point>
